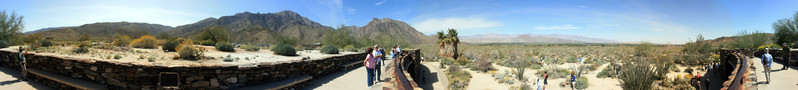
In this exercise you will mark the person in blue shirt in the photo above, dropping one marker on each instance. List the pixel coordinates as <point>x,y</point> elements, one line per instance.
<point>767,59</point>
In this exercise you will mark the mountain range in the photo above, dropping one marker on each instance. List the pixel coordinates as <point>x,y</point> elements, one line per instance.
<point>531,38</point>
<point>243,27</point>
<point>284,25</point>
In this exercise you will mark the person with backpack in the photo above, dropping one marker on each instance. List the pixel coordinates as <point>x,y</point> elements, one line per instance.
<point>767,59</point>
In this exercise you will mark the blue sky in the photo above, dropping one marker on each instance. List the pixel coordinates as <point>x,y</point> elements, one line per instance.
<point>658,21</point>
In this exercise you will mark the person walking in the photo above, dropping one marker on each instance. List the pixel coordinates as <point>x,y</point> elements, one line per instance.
<point>22,63</point>
<point>545,78</point>
<point>785,55</point>
<point>369,63</point>
<point>767,59</point>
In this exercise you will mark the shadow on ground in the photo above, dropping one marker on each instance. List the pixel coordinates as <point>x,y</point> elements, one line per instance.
<point>326,79</point>
<point>429,78</point>
<point>15,75</point>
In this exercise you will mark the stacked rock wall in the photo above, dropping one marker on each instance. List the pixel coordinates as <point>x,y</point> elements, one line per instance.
<point>119,75</point>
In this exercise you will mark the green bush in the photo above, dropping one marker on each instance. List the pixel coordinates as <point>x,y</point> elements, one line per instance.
<point>606,73</point>
<point>117,56</point>
<point>458,79</point>
<point>350,48</point>
<point>581,83</point>
<point>250,47</point>
<point>170,45</point>
<point>225,47</point>
<point>638,76</point>
<point>188,51</point>
<point>215,34</point>
<point>329,49</point>
<point>122,41</point>
<point>4,44</point>
<point>45,43</point>
<point>285,50</point>
<point>83,47</point>
<point>207,43</point>
<point>555,72</point>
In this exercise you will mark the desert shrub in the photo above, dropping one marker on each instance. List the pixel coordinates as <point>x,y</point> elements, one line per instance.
<point>350,48</point>
<point>447,61</point>
<point>145,41</point>
<point>484,65</point>
<point>581,83</point>
<point>250,47</point>
<point>555,72</point>
<point>606,73</point>
<point>285,50</point>
<point>329,49</point>
<point>117,56</point>
<point>463,61</point>
<point>151,59</point>
<point>458,79</point>
<point>637,76</point>
<point>207,43</point>
<point>121,41</point>
<point>228,59</point>
<point>188,51</point>
<point>45,43</point>
<point>536,64</point>
<point>225,47</point>
<point>170,45</point>
<point>83,47</point>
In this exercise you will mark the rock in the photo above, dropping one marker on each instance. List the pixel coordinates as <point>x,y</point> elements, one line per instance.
<point>116,82</point>
<point>231,80</point>
<point>214,82</point>
<point>141,75</point>
<point>200,84</point>
<point>193,78</point>
<point>93,68</point>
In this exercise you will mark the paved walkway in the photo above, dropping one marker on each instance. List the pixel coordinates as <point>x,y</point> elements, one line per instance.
<point>9,81</point>
<point>779,80</point>
<point>354,79</point>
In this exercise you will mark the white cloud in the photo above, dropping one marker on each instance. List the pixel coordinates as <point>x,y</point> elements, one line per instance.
<point>561,27</point>
<point>459,23</point>
<point>582,6</point>
<point>380,3</point>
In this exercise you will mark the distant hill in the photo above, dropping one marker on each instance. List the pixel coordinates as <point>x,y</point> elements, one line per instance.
<point>531,38</point>
<point>257,27</point>
<point>393,28</point>
<point>246,27</point>
<point>102,31</point>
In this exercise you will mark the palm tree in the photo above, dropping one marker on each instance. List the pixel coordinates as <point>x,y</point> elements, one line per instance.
<point>448,43</point>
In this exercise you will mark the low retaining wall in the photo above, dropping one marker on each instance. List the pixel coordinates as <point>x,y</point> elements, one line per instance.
<point>119,75</point>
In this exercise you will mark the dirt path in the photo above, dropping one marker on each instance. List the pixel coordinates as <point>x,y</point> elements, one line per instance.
<point>779,80</point>
<point>9,81</point>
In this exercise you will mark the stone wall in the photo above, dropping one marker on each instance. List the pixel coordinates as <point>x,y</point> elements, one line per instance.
<point>119,75</point>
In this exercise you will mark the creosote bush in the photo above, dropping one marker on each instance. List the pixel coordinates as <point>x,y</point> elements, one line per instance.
<point>122,41</point>
<point>350,48</point>
<point>285,50</point>
<point>171,45</point>
<point>225,47</point>
<point>329,49</point>
<point>188,51</point>
<point>83,47</point>
<point>45,43</point>
<point>250,47</point>
<point>4,44</point>
<point>145,41</point>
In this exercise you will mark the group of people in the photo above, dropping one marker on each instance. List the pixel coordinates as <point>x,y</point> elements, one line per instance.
<point>374,62</point>
<point>767,60</point>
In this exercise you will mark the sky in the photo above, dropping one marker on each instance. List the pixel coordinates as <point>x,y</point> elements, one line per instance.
<point>657,21</point>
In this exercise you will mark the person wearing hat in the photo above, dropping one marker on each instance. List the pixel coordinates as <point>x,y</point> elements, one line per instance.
<point>785,55</point>
<point>22,63</point>
<point>767,59</point>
